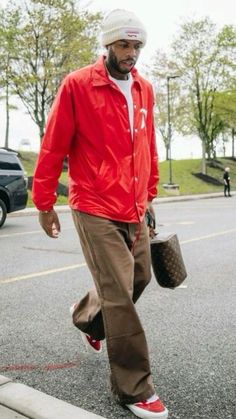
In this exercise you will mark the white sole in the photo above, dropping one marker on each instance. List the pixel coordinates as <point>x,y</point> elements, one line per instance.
<point>72,309</point>
<point>144,414</point>
<point>83,335</point>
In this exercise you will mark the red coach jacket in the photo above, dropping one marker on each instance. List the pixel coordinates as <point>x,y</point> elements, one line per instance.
<point>111,173</point>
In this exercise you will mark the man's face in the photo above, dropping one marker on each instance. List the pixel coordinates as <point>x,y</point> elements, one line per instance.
<point>122,56</point>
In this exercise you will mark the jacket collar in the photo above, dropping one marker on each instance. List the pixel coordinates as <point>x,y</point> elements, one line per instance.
<point>100,73</point>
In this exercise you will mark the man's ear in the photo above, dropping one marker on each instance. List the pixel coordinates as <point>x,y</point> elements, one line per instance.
<point>106,49</point>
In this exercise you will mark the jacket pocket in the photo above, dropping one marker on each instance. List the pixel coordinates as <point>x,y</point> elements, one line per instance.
<point>107,176</point>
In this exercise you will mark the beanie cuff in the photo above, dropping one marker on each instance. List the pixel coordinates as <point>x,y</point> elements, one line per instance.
<point>128,34</point>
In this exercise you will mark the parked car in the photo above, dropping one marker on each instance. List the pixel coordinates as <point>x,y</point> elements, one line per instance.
<point>13,184</point>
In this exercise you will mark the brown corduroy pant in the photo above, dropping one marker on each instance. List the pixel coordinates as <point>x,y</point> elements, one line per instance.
<point>118,256</point>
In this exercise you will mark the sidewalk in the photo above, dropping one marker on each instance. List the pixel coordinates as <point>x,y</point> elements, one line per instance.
<point>18,401</point>
<point>156,201</point>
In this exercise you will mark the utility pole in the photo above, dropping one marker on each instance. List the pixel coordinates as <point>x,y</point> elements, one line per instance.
<point>169,126</point>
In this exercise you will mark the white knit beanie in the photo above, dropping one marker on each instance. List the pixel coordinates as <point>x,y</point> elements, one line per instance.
<point>122,24</point>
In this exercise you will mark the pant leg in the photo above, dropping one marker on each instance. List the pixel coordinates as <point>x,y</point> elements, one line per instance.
<point>112,264</point>
<point>88,309</point>
<point>142,262</point>
<point>87,315</point>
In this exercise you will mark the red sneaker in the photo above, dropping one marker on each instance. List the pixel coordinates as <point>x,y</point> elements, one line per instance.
<point>90,343</point>
<point>149,410</point>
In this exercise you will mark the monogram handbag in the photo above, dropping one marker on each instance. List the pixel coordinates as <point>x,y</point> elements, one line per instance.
<point>167,260</point>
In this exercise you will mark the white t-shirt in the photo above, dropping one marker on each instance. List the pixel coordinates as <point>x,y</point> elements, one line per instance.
<point>125,88</point>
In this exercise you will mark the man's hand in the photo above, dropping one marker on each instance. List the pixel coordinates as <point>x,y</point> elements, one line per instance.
<point>50,223</point>
<point>152,224</point>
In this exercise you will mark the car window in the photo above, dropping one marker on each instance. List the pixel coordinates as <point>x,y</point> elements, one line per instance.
<point>9,162</point>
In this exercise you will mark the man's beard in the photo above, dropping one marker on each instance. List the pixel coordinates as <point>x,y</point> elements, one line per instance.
<point>113,64</point>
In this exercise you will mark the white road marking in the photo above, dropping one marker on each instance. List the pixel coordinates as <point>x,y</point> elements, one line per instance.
<point>178,223</point>
<point>25,233</point>
<point>208,236</point>
<point>42,273</point>
<point>186,223</point>
<point>80,265</point>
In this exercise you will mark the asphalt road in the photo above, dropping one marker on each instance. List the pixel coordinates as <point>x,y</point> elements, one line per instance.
<point>191,330</point>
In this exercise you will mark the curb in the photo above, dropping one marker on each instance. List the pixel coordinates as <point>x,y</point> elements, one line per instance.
<point>33,211</point>
<point>18,401</point>
<point>156,201</point>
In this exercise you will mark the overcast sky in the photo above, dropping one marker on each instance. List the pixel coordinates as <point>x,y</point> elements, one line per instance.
<point>161,18</point>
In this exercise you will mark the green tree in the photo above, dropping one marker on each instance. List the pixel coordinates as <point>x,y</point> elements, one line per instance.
<point>52,38</point>
<point>161,68</point>
<point>8,22</point>
<point>198,56</point>
<point>225,104</point>
<point>197,53</point>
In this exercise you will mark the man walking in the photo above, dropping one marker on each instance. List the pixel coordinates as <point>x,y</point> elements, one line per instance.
<point>226,178</point>
<point>102,119</point>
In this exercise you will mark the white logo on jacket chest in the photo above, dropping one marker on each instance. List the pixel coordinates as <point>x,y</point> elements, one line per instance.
<point>143,113</point>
